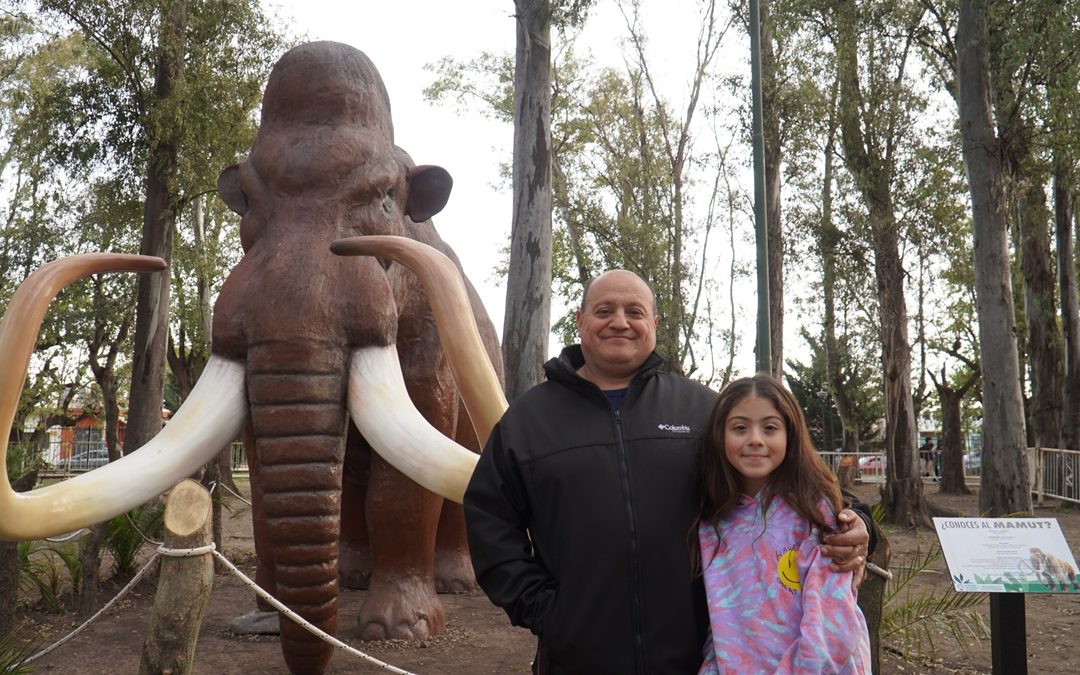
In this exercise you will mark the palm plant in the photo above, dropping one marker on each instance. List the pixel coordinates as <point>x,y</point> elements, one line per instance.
<point>910,620</point>
<point>14,652</point>
<point>38,571</point>
<point>126,534</point>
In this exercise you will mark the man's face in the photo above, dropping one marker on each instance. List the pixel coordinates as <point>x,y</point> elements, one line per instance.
<point>617,325</point>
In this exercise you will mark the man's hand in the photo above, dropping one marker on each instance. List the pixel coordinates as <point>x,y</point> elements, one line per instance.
<point>847,548</point>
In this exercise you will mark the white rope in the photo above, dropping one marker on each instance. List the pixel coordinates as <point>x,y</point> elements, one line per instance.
<point>110,603</point>
<point>234,493</point>
<point>139,532</point>
<point>186,552</point>
<point>67,537</point>
<point>314,630</point>
<point>210,548</point>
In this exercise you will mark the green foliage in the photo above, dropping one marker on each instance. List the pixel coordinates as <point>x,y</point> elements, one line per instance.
<point>861,376</point>
<point>125,534</point>
<point>623,164</point>
<point>910,621</point>
<point>40,570</point>
<point>15,648</point>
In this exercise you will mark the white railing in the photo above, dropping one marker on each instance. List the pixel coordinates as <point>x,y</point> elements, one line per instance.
<point>871,466</point>
<point>1054,473</point>
<point>239,459</point>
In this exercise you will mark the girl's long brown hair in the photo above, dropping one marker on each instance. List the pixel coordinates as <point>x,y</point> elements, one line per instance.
<point>802,479</point>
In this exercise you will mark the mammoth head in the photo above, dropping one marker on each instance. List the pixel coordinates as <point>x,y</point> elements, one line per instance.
<point>325,154</point>
<point>419,193</point>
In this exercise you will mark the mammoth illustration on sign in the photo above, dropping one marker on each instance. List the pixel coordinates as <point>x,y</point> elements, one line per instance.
<point>303,341</point>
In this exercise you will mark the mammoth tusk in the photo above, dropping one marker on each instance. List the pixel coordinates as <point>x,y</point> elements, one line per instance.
<point>210,419</point>
<point>476,379</point>
<point>381,409</point>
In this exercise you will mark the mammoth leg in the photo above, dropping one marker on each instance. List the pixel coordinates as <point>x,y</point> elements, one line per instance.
<point>354,561</point>
<point>453,568</point>
<point>295,395</point>
<point>402,516</point>
<point>401,602</point>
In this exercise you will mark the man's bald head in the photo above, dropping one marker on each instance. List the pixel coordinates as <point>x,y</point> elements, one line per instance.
<point>616,272</point>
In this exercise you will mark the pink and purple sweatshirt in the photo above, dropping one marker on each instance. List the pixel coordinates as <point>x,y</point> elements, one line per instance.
<point>774,604</point>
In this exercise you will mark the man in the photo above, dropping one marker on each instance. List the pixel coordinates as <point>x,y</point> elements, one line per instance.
<point>581,511</point>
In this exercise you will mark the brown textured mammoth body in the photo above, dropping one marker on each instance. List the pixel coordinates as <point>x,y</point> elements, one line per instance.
<point>323,167</point>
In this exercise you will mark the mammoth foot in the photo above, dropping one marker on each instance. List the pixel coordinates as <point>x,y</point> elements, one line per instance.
<point>454,573</point>
<point>400,609</point>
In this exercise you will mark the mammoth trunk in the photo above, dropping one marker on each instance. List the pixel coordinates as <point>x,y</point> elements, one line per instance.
<point>296,395</point>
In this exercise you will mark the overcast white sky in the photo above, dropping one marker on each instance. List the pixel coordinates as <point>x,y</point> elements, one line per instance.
<point>402,36</point>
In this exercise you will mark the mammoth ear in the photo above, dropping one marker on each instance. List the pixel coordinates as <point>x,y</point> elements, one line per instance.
<point>228,186</point>
<point>429,190</point>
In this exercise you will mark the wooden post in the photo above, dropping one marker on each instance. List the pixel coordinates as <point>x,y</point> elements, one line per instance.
<point>872,599</point>
<point>183,583</point>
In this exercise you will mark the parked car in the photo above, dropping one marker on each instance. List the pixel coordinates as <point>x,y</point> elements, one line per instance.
<point>973,463</point>
<point>84,460</point>
<point>872,463</point>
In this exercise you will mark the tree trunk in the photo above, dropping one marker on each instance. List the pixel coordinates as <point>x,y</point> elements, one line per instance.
<point>183,584</point>
<point>9,585</point>
<point>1070,315</point>
<point>9,565</point>
<point>1043,336</point>
<point>159,221</point>
<point>773,155</point>
<point>1004,486</point>
<point>528,286</point>
<point>828,237</point>
<point>903,495</point>
<point>951,443</point>
<point>872,599</point>
<point>90,563</point>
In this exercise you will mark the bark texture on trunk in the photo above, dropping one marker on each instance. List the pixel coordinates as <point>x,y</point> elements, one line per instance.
<point>528,286</point>
<point>1004,468</point>
<point>184,584</point>
<point>1044,344</point>
<point>951,443</point>
<point>773,155</point>
<point>1070,314</point>
<point>869,159</point>
<point>159,221</point>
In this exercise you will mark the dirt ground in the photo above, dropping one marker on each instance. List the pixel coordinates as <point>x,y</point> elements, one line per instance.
<point>479,638</point>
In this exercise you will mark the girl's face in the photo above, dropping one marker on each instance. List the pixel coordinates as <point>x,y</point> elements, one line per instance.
<point>755,441</point>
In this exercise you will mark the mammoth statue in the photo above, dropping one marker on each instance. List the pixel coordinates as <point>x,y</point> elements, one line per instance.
<point>305,340</point>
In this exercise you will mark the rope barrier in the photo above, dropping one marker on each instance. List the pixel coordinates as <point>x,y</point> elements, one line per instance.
<point>67,537</point>
<point>123,591</point>
<point>162,550</point>
<point>234,493</point>
<point>314,630</point>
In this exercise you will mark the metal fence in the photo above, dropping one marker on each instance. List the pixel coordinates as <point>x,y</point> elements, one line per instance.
<point>871,466</point>
<point>239,459</point>
<point>1054,474</point>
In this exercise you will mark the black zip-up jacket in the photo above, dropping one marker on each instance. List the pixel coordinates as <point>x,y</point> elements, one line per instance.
<point>579,520</point>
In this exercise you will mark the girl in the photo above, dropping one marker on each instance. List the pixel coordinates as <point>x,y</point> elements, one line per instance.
<point>774,604</point>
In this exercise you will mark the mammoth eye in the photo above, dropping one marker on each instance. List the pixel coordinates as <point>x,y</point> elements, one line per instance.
<point>388,201</point>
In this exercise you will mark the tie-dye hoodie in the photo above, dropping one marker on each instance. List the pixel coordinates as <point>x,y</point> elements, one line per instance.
<point>774,604</point>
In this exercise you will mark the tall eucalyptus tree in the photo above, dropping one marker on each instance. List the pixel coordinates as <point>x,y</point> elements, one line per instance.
<point>1004,472</point>
<point>875,112</point>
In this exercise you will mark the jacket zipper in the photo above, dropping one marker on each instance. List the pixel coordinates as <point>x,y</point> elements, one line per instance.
<point>635,584</point>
